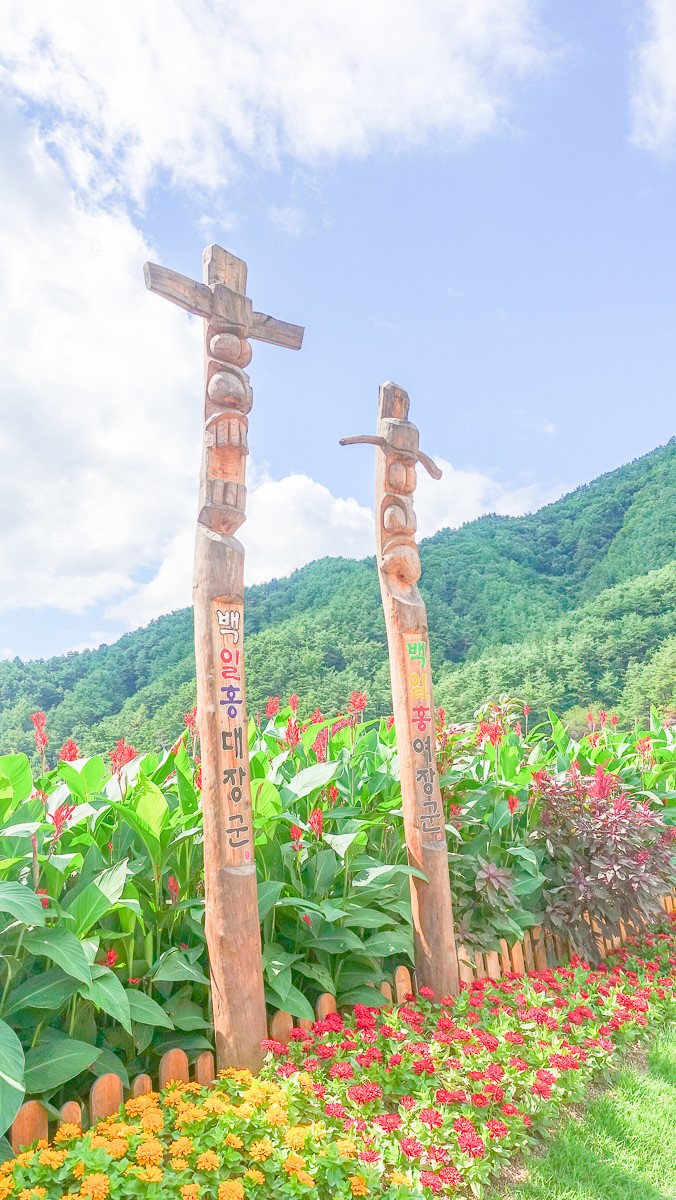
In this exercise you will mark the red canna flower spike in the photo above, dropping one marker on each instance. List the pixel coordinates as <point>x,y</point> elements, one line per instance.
<point>526,710</point>
<point>296,834</point>
<point>121,755</point>
<point>60,818</point>
<point>307,918</point>
<point>512,803</point>
<point>173,889</point>
<point>316,821</point>
<point>614,719</point>
<point>272,706</point>
<point>293,702</point>
<point>44,898</point>
<point>190,720</point>
<point>603,717</point>
<point>292,735</point>
<point>357,703</point>
<point>39,720</point>
<point>69,752</point>
<point>390,722</point>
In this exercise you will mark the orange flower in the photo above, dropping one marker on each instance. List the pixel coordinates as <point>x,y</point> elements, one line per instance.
<point>79,1170</point>
<point>96,1186</point>
<point>67,1131</point>
<point>190,1191</point>
<point>231,1189</point>
<point>276,1115</point>
<point>294,1163</point>
<point>139,1104</point>
<point>358,1185</point>
<point>6,1187</point>
<point>30,1193</point>
<point>151,1175</point>
<point>305,1179</point>
<point>150,1153</point>
<point>217,1104</point>
<point>256,1176</point>
<point>233,1140</point>
<point>152,1120</point>
<point>52,1158</point>
<point>346,1147</point>
<point>180,1146</point>
<point>296,1136</point>
<point>399,1179</point>
<point>208,1161</point>
<point>179,1164</point>
<point>261,1150</point>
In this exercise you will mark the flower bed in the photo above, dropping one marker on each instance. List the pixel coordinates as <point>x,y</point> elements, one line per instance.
<point>423,1097</point>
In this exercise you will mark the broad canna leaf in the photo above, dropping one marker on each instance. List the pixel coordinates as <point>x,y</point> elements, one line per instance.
<point>106,992</point>
<point>21,903</point>
<point>56,1061</point>
<point>63,948</point>
<point>11,1076</point>
<point>97,898</point>
<point>145,1011</point>
<point>49,991</point>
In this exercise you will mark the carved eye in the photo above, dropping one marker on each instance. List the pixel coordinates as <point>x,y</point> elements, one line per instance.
<point>394,518</point>
<point>397,476</point>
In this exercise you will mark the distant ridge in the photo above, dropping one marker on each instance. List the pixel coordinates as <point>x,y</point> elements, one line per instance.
<point>574,605</point>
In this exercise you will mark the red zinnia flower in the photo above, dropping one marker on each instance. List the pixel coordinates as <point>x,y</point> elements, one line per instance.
<point>69,752</point>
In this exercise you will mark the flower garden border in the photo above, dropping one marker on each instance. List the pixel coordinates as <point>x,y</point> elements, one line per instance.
<point>538,951</point>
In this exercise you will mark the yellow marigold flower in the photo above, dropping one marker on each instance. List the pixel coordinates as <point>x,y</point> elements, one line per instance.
<point>180,1146</point>
<point>188,1114</point>
<point>261,1150</point>
<point>256,1176</point>
<point>30,1193</point>
<point>41,1144</point>
<point>6,1187</point>
<point>79,1170</point>
<point>173,1098</point>
<point>399,1179</point>
<point>150,1152</point>
<point>243,1110</point>
<point>152,1120</point>
<point>194,1088</point>
<point>208,1161</point>
<point>304,1178</point>
<point>96,1186</point>
<point>296,1136</point>
<point>276,1115</point>
<point>151,1174</point>
<point>117,1147</point>
<point>294,1162</point>
<point>7,1166</point>
<point>305,1082</point>
<point>139,1104</point>
<point>23,1159</point>
<point>233,1140</point>
<point>179,1164</point>
<point>238,1074</point>
<point>216,1104</point>
<point>190,1191</point>
<point>231,1189</point>
<point>52,1158</point>
<point>67,1131</point>
<point>256,1096</point>
<point>346,1147</point>
<point>358,1185</point>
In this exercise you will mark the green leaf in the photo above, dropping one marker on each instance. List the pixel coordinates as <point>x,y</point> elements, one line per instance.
<point>389,941</point>
<point>11,1076</point>
<point>16,769</point>
<point>106,992</point>
<point>49,990</point>
<point>174,968</point>
<point>55,1062</point>
<point>145,1011</point>
<point>385,872</point>
<point>109,1064</point>
<point>340,842</point>
<point>311,778</point>
<point>297,1004</point>
<point>151,805</point>
<point>21,903</point>
<point>318,974</point>
<point>97,898</point>
<point>336,941</point>
<point>63,948</point>
<point>269,891</point>
<point>265,799</point>
<point>523,852</point>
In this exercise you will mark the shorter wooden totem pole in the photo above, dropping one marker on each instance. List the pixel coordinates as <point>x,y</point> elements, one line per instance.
<point>231,920</point>
<point>436,963</point>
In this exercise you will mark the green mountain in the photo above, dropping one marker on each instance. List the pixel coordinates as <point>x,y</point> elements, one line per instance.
<point>574,605</point>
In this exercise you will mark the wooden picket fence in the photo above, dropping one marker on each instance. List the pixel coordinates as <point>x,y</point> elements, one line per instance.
<point>538,951</point>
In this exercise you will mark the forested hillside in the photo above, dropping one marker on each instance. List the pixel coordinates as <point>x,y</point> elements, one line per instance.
<point>571,606</point>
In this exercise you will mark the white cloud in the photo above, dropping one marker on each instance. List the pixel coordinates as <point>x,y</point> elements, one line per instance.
<point>101,403</point>
<point>654,82</point>
<point>463,494</point>
<point>288,219</point>
<point>192,89</point>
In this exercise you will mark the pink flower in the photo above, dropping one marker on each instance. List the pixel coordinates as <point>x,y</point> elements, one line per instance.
<point>272,706</point>
<point>69,752</point>
<point>526,710</point>
<point>614,719</point>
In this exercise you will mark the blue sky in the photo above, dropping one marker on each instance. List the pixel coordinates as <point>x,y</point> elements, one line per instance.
<point>478,205</point>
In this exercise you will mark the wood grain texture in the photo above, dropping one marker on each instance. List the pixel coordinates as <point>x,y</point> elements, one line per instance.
<point>492,959</point>
<point>403,984</point>
<point>205,1068</point>
<point>71,1113</point>
<point>141,1085</point>
<point>518,961</point>
<point>105,1097</point>
<point>281,1025</point>
<point>326,1004</point>
<point>30,1123</point>
<point>174,1067</point>
<point>465,965</point>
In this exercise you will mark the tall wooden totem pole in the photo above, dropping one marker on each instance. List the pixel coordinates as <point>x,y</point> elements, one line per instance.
<point>436,963</point>
<point>232,926</point>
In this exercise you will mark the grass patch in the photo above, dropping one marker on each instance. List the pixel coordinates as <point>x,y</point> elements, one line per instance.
<point>621,1147</point>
